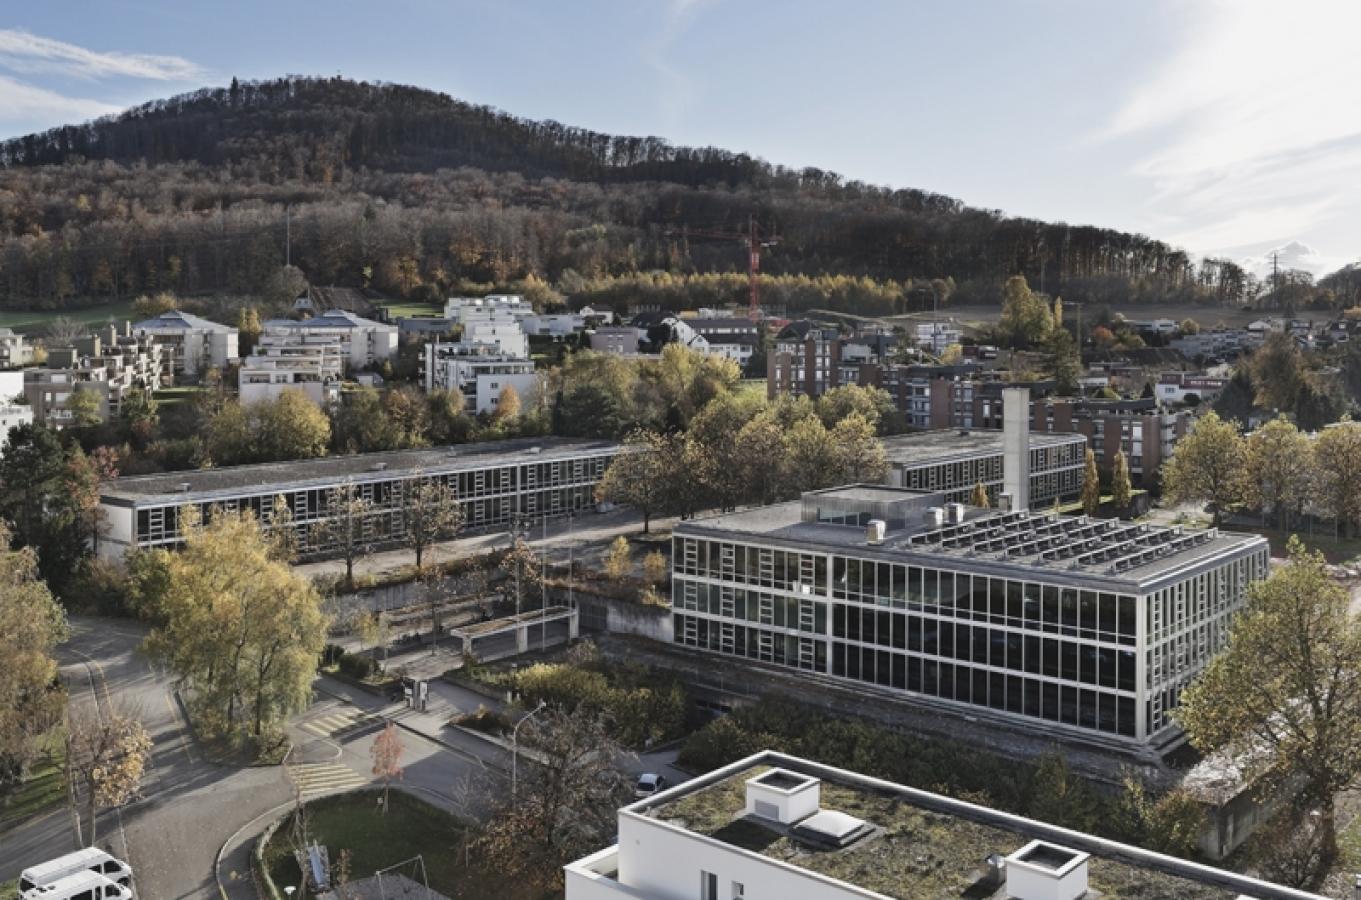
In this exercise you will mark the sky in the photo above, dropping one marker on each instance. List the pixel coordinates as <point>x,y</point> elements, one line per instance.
<point>1226,127</point>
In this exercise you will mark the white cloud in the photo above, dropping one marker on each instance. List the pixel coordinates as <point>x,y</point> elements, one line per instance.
<point>1252,119</point>
<point>678,91</point>
<point>20,102</point>
<point>22,51</point>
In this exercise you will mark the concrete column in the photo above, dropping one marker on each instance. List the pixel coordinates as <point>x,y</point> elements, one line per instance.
<point>1016,446</point>
<point>573,625</point>
<point>522,638</point>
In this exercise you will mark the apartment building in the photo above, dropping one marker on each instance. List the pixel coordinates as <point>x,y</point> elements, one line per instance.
<point>491,309</point>
<point>311,363</point>
<point>14,350</point>
<point>806,361</point>
<point>14,407</point>
<point>362,342</point>
<point>493,481</point>
<point>615,339</point>
<point>554,325</point>
<point>778,827</point>
<point>1173,387</point>
<point>480,376</point>
<point>936,336</point>
<point>111,364</point>
<point>191,345</point>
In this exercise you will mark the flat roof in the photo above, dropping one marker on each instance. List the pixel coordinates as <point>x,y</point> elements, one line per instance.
<point>1033,545</point>
<point>328,470</point>
<point>950,444</point>
<point>922,844</point>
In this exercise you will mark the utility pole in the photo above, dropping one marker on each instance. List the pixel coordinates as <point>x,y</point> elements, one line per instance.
<point>288,235</point>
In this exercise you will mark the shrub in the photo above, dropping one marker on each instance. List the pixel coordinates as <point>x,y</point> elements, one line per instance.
<point>357,666</point>
<point>331,654</point>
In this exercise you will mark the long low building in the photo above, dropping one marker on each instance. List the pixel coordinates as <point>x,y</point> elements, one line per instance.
<point>494,481</point>
<point>1086,627</point>
<point>954,461</point>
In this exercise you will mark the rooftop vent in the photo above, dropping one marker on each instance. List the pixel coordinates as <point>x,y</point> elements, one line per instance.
<point>954,513</point>
<point>379,467</point>
<point>783,796</point>
<point>184,487</point>
<point>934,516</point>
<point>828,829</point>
<point>1004,502</point>
<point>1044,871</point>
<point>534,450</point>
<point>874,531</point>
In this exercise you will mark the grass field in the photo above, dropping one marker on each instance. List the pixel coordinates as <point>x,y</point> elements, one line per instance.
<point>376,841</point>
<point>44,788</point>
<point>33,321</point>
<point>402,309</point>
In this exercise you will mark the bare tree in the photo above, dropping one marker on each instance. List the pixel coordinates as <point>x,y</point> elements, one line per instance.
<point>430,513</point>
<point>347,527</point>
<point>386,753</point>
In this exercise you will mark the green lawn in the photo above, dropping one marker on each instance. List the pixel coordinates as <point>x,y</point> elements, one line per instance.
<point>176,395</point>
<point>31,321</point>
<point>404,309</point>
<point>44,788</point>
<point>376,841</point>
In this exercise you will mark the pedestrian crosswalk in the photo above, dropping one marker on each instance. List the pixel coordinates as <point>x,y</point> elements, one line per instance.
<point>341,721</point>
<point>321,778</point>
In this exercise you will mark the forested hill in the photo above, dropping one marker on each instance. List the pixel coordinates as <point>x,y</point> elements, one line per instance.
<point>418,193</point>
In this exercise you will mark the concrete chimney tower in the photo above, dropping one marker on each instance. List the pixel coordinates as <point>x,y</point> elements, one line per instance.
<point>1016,446</point>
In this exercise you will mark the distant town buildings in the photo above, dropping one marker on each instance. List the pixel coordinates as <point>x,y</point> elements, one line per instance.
<point>14,407</point>
<point>362,342</point>
<point>311,363</point>
<point>191,345</point>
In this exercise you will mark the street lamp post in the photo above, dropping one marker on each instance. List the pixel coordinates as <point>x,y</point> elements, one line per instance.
<point>515,749</point>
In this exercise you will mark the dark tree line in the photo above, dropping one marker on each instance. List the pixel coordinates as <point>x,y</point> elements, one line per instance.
<point>413,191</point>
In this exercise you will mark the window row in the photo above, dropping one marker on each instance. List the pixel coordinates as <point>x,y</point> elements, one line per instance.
<point>1032,697</point>
<point>752,606</point>
<point>752,643</point>
<point>1070,660</point>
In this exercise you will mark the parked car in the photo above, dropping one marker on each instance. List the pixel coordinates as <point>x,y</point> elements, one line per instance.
<point>649,784</point>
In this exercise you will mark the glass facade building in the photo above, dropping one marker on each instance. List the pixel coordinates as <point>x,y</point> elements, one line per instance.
<point>540,478</point>
<point>952,462</point>
<point>1100,635</point>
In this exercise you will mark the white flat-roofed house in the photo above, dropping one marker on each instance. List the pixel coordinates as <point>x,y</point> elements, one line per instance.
<point>310,363</point>
<point>777,827</point>
<point>556,325</point>
<point>14,351</point>
<point>936,336</point>
<point>479,375</point>
<point>362,342</point>
<point>491,309</point>
<point>191,345</point>
<point>14,407</point>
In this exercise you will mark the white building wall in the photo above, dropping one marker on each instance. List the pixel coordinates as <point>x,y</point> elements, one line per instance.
<point>489,389</point>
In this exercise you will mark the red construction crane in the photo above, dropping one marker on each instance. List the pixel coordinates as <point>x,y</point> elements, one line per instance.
<point>754,238</point>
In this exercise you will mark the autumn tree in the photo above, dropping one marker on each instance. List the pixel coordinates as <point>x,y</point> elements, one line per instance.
<point>1091,485</point>
<point>1206,466</point>
<point>287,427</point>
<point>1026,318</point>
<point>860,455</point>
<point>386,753</point>
<point>507,405</point>
<point>1061,360</point>
<point>430,513</point>
<point>84,407</point>
<point>149,306</point>
<point>249,328</point>
<point>654,568</point>
<point>979,496</point>
<point>1277,469</point>
<point>811,458</point>
<point>759,449</point>
<point>1283,699</point>
<point>106,755</point>
<point>1122,492</point>
<point>635,476</point>
<point>237,626</point>
<point>619,560</point>
<point>524,568</point>
<point>31,626</point>
<point>1277,371</point>
<point>1336,489</point>
<point>565,805</point>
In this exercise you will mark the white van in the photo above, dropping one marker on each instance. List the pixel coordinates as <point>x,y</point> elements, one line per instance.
<point>91,859</point>
<point>84,885</point>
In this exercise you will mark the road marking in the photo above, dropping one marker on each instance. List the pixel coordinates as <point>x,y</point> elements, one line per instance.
<point>339,722</point>
<point>319,778</point>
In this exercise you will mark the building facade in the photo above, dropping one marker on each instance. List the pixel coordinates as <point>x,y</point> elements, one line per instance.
<point>14,350</point>
<point>311,363</point>
<point>362,342</point>
<point>953,462</point>
<point>1087,627</point>
<point>479,377</point>
<point>494,481</point>
<point>191,345</point>
<point>110,365</point>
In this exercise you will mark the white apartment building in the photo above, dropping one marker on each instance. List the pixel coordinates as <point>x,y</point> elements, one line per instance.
<point>191,345</point>
<point>556,325</point>
<point>506,338</point>
<point>777,827</point>
<point>936,336</point>
<point>311,363</point>
<point>14,408</point>
<point>491,309</point>
<point>14,352</point>
<point>362,342</point>
<point>479,376</point>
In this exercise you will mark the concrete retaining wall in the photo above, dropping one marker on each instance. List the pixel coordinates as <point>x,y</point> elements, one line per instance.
<point>608,614</point>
